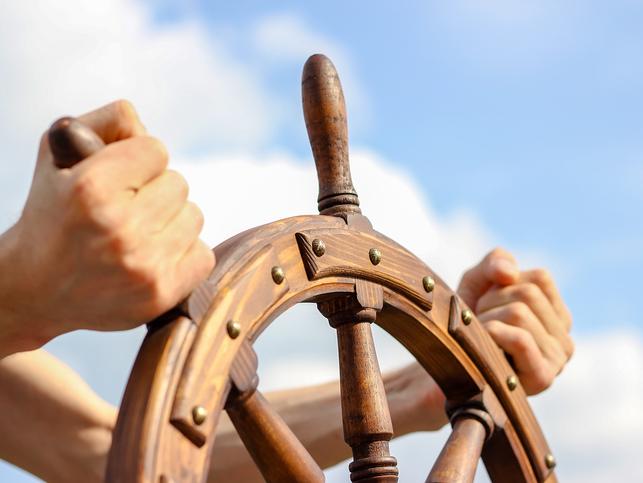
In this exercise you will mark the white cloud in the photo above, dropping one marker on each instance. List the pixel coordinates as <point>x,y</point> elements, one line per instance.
<point>287,38</point>
<point>282,186</point>
<point>67,57</point>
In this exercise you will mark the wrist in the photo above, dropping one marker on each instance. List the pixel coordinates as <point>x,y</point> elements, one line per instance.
<point>18,330</point>
<point>415,400</point>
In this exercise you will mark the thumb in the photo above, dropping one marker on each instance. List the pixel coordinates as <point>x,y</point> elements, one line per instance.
<point>498,267</point>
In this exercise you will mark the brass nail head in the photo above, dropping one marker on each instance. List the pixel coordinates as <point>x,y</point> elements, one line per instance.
<point>512,382</point>
<point>234,328</point>
<point>319,247</point>
<point>467,316</point>
<point>278,274</point>
<point>199,415</point>
<point>375,255</point>
<point>550,461</point>
<point>428,283</point>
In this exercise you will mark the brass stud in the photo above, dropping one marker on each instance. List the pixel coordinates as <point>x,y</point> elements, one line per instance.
<point>278,274</point>
<point>467,316</point>
<point>234,328</point>
<point>319,247</point>
<point>428,283</point>
<point>375,255</point>
<point>199,415</point>
<point>512,382</point>
<point>550,461</point>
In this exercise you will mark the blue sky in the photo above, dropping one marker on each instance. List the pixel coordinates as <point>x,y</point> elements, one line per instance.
<point>489,122</point>
<point>529,116</point>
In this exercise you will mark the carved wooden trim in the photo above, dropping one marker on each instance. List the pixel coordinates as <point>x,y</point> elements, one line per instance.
<point>347,254</point>
<point>245,262</point>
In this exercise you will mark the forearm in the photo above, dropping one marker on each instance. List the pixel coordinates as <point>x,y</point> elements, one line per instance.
<point>55,427</point>
<point>15,333</point>
<point>52,423</point>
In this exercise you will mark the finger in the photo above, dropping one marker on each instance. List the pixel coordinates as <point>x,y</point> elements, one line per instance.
<point>125,165</point>
<point>518,314</point>
<point>181,232</point>
<point>498,267</point>
<point>531,366</point>
<point>193,267</point>
<point>531,295</point>
<point>160,200</point>
<point>114,122</point>
<point>545,281</point>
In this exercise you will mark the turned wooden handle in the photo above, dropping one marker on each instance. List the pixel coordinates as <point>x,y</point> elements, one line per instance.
<point>71,141</point>
<point>325,115</point>
<point>274,448</point>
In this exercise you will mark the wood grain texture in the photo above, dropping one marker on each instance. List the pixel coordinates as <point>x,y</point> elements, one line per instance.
<point>365,412</point>
<point>491,361</point>
<point>325,115</point>
<point>274,448</point>
<point>459,457</point>
<point>347,254</point>
<point>241,287</point>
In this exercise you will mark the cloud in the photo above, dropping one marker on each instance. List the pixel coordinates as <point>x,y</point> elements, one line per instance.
<point>282,186</point>
<point>67,57</point>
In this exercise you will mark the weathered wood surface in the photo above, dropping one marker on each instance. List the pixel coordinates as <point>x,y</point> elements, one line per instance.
<point>244,266</point>
<point>277,452</point>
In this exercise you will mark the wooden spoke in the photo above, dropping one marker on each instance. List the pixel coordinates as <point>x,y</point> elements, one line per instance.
<point>366,417</point>
<point>459,458</point>
<point>275,449</point>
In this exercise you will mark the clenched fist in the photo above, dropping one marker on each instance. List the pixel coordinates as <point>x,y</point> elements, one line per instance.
<point>523,313</point>
<point>107,244</point>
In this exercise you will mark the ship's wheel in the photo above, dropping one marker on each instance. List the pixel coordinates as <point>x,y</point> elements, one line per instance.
<point>198,360</point>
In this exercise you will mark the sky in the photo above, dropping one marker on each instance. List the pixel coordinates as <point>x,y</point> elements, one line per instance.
<point>488,122</point>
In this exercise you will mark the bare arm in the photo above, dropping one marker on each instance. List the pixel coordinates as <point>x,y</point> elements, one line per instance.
<point>56,427</point>
<point>52,424</point>
<point>314,415</point>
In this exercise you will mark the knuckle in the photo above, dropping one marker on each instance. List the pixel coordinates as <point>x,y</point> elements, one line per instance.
<point>529,293</point>
<point>542,379</point>
<point>156,146</point>
<point>119,241</point>
<point>542,277</point>
<point>569,347</point>
<point>144,274</point>
<point>522,341</point>
<point>125,110</point>
<point>207,260</point>
<point>196,215</point>
<point>86,191</point>
<point>498,252</point>
<point>518,312</point>
<point>180,183</point>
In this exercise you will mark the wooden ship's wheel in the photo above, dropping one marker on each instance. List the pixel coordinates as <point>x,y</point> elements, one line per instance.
<point>197,360</point>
